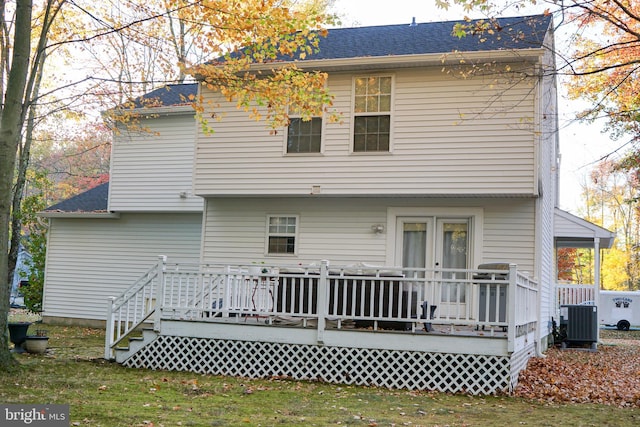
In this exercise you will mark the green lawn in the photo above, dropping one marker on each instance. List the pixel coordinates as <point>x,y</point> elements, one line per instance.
<point>105,394</point>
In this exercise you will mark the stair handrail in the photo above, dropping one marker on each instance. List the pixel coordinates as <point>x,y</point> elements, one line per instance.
<point>138,302</point>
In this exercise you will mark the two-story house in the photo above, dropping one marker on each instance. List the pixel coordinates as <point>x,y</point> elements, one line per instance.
<point>410,244</point>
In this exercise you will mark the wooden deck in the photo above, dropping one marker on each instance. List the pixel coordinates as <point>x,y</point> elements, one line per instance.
<point>373,321</point>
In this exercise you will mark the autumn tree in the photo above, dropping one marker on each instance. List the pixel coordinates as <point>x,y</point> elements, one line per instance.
<point>235,36</point>
<point>157,40</point>
<point>12,115</point>
<point>606,62</point>
<point>566,264</point>
<point>36,241</point>
<point>610,200</point>
<point>72,159</point>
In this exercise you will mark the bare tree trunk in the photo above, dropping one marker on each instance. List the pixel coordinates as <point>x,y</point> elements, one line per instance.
<point>10,129</point>
<point>24,155</point>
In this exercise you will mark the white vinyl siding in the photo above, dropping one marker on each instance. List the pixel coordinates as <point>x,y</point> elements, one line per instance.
<point>549,168</point>
<point>89,260</point>
<point>340,229</point>
<point>150,170</point>
<point>450,136</point>
<point>568,226</point>
<point>509,233</point>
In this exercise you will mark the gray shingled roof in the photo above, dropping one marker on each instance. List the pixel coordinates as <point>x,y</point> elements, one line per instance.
<point>524,32</point>
<point>94,200</point>
<point>167,95</point>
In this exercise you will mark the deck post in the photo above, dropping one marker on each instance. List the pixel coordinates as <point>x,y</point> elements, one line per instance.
<point>511,310</point>
<point>108,341</point>
<point>321,302</point>
<point>162,266</point>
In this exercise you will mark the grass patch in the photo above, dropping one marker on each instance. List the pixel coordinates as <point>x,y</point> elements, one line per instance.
<point>103,393</point>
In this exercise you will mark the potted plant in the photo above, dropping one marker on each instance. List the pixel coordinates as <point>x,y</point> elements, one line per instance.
<point>257,268</point>
<point>18,335</point>
<point>37,343</point>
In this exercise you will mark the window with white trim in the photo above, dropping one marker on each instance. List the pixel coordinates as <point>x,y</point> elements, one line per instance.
<point>282,234</point>
<point>304,136</point>
<point>372,113</point>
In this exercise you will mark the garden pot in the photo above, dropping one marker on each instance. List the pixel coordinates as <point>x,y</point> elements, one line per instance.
<point>36,344</point>
<point>18,335</point>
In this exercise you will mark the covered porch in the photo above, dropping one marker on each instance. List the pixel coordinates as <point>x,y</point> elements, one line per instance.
<point>574,232</point>
<point>450,329</point>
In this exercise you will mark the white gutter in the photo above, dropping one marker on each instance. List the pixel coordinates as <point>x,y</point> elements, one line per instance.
<point>74,215</point>
<point>168,110</point>
<point>442,58</point>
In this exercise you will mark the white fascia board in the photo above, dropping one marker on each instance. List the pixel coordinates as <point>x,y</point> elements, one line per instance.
<point>74,215</point>
<point>172,110</point>
<point>392,61</point>
<point>168,110</point>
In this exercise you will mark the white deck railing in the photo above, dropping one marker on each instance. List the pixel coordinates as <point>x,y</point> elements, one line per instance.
<point>133,307</point>
<point>575,294</point>
<point>368,296</point>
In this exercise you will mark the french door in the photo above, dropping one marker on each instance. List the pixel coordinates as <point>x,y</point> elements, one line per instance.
<point>427,247</point>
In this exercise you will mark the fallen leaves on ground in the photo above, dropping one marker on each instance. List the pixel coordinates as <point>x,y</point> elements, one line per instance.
<point>609,376</point>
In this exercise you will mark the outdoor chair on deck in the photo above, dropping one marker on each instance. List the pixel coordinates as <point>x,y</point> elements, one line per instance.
<point>432,311</point>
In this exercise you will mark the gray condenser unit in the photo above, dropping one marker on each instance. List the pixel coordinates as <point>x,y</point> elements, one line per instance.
<point>579,324</point>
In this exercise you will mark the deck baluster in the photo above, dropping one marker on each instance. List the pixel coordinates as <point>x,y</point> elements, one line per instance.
<point>323,296</point>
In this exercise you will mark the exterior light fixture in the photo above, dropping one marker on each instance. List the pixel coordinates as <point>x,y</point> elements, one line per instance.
<point>377,228</point>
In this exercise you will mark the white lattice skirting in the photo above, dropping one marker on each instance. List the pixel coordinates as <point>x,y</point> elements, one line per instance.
<point>519,362</point>
<point>454,373</point>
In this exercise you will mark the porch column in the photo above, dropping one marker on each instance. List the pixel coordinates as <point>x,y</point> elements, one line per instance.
<point>596,279</point>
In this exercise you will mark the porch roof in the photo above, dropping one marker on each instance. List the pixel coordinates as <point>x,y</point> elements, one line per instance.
<point>571,231</point>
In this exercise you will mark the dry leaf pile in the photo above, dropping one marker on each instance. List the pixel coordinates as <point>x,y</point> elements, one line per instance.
<point>609,376</point>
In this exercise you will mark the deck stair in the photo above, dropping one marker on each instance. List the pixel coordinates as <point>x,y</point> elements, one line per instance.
<point>135,343</point>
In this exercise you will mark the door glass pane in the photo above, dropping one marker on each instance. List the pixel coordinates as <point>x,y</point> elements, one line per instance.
<point>454,250</point>
<point>454,255</point>
<point>414,247</point>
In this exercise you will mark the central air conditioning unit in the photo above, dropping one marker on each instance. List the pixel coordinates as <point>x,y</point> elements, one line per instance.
<point>579,325</point>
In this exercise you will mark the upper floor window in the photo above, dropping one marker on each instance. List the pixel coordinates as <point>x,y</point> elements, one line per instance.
<point>372,114</point>
<point>281,234</point>
<point>304,136</point>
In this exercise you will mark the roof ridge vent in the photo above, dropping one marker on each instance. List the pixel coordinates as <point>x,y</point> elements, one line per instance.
<point>413,22</point>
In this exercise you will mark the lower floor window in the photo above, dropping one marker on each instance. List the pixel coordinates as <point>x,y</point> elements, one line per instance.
<point>281,234</point>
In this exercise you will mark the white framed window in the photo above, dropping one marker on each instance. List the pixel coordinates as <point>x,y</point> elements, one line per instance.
<point>372,113</point>
<point>282,234</point>
<point>304,136</point>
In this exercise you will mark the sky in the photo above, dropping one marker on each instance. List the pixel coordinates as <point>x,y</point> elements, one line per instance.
<point>581,145</point>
